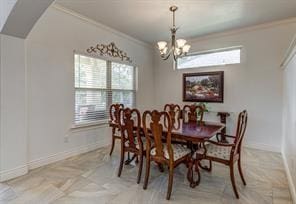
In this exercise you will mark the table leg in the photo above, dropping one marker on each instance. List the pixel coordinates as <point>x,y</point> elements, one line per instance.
<point>223,138</point>
<point>190,173</point>
<point>223,116</point>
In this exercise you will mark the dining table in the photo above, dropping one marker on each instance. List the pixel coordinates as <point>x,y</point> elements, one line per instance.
<point>192,133</point>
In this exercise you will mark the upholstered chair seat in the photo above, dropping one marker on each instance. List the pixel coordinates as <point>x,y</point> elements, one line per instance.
<point>178,149</point>
<point>216,151</point>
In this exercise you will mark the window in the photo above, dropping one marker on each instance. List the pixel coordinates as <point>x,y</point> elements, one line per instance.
<point>98,84</point>
<point>210,58</point>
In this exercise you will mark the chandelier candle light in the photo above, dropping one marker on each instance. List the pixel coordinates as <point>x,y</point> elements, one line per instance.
<point>178,47</point>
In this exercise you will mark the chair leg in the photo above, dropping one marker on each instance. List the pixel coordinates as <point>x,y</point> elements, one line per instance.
<point>140,168</point>
<point>121,161</point>
<point>206,168</point>
<point>147,171</point>
<point>233,181</point>
<point>170,182</point>
<point>160,167</point>
<point>112,145</point>
<point>240,171</point>
<point>218,140</point>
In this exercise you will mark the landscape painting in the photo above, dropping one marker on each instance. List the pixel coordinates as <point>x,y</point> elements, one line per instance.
<point>203,87</point>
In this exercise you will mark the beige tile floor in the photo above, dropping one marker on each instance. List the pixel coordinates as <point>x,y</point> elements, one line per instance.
<point>92,178</point>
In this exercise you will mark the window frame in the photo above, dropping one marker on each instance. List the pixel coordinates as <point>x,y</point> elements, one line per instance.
<point>108,88</point>
<point>210,52</point>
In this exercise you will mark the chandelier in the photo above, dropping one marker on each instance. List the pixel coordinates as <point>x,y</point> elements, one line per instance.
<point>178,47</point>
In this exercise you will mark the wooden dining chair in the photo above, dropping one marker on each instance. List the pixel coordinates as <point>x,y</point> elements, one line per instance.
<point>114,118</point>
<point>193,113</point>
<point>174,111</point>
<point>225,153</point>
<point>131,140</point>
<point>162,153</point>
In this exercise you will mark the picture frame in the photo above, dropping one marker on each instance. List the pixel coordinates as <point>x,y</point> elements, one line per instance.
<point>203,87</point>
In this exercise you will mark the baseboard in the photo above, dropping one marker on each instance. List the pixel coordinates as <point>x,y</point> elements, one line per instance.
<point>289,177</point>
<point>13,173</point>
<point>264,147</point>
<point>66,154</point>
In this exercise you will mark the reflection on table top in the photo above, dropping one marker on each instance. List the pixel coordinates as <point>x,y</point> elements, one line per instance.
<point>191,131</point>
<point>197,131</point>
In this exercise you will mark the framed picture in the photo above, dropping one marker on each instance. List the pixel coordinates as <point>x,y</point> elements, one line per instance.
<point>203,87</point>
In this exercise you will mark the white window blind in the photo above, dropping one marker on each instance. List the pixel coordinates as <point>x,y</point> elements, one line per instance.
<point>210,58</point>
<point>98,84</point>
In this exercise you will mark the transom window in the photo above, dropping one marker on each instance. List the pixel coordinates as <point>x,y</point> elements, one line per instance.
<point>210,58</point>
<point>98,84</point>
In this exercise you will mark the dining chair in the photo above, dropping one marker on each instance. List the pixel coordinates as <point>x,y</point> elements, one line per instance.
<point>114,118</point>
<point>131,140</point>
<point>164,153</point>
<point>226,153</point>
<point>193,113</point>
<point>174,111</point>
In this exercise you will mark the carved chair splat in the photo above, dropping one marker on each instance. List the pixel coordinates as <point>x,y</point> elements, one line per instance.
<point>191,112</point>
<point>114,118</point>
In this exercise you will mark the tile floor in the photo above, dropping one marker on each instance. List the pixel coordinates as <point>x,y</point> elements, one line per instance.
<point>92,178</point>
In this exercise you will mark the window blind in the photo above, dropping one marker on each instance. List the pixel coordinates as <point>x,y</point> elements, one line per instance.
<point>123,84</point>
<point>210,58</point>
<point>98,84</point>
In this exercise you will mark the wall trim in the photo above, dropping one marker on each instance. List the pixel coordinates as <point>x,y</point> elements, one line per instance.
<point>99,25</point>
<point>13,173</point>
<point>22,170</point>
<point>243,30</point>
<point>66,154</point>
<point>290,53</point>
<point>264,147</point>
<point>289,177</point>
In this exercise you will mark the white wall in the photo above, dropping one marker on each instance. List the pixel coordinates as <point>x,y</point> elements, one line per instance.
<point>50,62</point>
<point>289,120</point>
<point>13,134</point>
<point>255,84</point>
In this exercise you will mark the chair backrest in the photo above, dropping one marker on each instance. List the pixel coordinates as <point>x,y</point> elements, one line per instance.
<point>240,131</point>
<point>114,112</point>
<point>153,125</point>
<point>192,112</point>
<point>130,126</point>
<point>174,111</point>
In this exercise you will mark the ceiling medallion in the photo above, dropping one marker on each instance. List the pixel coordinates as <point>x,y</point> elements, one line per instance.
<point>110,50</point>
<point>178,47</point>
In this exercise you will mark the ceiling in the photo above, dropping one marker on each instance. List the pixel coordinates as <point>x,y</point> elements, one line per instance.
<point>22,16</point>
<point>150,20</point>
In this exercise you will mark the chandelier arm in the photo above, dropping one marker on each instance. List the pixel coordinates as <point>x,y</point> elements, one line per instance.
<point>175,57</point>
<point>181,52</point>
<point>165,57</point>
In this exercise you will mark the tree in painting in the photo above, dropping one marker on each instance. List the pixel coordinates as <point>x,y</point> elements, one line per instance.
<point>203,87</point>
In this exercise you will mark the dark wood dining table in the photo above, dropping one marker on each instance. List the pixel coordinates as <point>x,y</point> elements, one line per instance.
<point>192,133</point>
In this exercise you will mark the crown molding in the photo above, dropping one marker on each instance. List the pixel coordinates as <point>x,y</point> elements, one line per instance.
<point>290,53</point>
<point>191,40</point>
<point>99,25</point>
<point>243,30</point>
